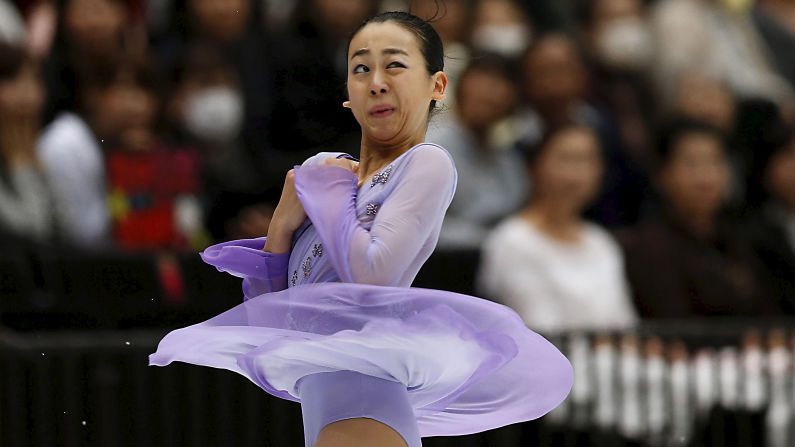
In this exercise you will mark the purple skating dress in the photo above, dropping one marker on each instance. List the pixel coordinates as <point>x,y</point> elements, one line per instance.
<point>342,301</point>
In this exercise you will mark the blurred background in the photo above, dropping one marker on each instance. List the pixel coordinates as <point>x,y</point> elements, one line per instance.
<point>626,184</point>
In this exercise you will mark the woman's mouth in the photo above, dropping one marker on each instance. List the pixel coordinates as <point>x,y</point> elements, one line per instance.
<point>381,111</point>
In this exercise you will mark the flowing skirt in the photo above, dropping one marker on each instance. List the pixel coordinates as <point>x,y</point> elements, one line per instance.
<point>468,364</point>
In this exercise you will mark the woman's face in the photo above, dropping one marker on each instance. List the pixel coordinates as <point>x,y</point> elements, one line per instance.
<point>695,179</point>
<point>222,20</point>
<point>484,98</point>
<point>389,86</point>
<point>569,171</point>
<point>94,25</point>
<point>23,95</point>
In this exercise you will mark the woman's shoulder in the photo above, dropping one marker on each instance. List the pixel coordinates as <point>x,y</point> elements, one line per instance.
<point>427,152</point>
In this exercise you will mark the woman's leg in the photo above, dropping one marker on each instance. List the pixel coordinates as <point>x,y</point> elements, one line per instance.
<point>345,408</point>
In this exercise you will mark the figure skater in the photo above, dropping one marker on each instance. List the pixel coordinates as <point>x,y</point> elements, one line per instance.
<point>329,318</point>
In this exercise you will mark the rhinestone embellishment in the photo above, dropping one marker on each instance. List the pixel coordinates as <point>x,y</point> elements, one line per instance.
<point>317,250</point>
<point>372,208</point>
<point>294,278</point>
<point>381,177</point>
<point>307,267</point>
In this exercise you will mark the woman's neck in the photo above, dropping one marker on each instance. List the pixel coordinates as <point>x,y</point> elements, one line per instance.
<point>557,223</point>
<point>374,156</point>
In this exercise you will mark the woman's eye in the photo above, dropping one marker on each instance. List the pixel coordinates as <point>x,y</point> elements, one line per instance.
<point>360,69</point>
<point>396,65</point>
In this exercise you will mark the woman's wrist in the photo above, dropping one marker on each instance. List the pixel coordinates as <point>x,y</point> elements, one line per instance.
<point>279,239</point>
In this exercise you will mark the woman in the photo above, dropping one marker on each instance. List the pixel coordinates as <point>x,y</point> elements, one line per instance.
<point>25,195</point>
<point>689,259</point>
<point>556,270</point>
<point>373,365</point>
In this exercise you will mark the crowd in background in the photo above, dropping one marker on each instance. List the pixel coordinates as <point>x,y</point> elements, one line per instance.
<point>618,159</point>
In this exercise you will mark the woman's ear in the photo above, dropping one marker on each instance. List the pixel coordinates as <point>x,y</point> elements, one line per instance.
<point>439,85</point>
<point>346,104</point>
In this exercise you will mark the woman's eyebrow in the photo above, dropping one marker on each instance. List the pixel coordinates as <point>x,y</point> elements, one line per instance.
<point>363,51</point>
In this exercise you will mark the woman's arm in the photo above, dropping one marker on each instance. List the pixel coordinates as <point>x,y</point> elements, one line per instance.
<point>402,224</point>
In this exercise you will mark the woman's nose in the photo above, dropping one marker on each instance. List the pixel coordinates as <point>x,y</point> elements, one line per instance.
<point>378,85</point>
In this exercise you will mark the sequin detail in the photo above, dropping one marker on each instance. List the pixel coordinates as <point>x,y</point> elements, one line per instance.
<point>307,267</point>
<point>317,250</point>
<point>294,278</point>
<point>381,177</point>
<point>372,208</point>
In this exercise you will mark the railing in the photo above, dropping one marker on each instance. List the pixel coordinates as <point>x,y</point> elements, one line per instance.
<point>718,383</point>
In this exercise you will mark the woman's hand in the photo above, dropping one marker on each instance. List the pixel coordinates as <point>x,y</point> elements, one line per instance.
<point>288,216</point>
<point>344,163</point>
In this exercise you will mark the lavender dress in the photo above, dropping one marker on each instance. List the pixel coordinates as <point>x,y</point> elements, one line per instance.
<point>342,301</point>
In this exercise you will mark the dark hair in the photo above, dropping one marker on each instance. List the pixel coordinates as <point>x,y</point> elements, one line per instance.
<point>531,152</point>
<point>676,128</point>
<point>430,42</point>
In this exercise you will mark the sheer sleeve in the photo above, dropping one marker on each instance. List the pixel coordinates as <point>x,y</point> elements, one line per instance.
<point>262,272</point>
<point>402,227</point>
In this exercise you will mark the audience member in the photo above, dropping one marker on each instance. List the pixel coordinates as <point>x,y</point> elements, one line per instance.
<point>234,26</point>
<point>90,37</point>
<point>310,74</point>
<point>556,85</point>
<point>501,27</point>
<point>491,181</point>
<point>112,109</point>
<point>717,38</point>
<point>25,198</point>
<point>689,260</point>
<point>205,111</point>
<point>556,270</point>
<point>773,227</point>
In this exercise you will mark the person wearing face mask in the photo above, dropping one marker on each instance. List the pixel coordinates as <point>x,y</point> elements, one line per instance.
<point>619,47</point>
<point>501,27</point>
<point>207,111</point>
<point>690,260</point>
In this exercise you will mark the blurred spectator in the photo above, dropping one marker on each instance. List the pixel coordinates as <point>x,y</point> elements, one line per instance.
<point>153,188</point>
<point>709,99</point>
<point>689,260</point>
<point>704,98</point>
<point>90,36</point>
<point>556,270</point>
<point>620,47</point>
<point>718,38</point>
<point>555,83</point>
<point>25,198</point>
<point>491,180</point>
<point>205,111</point>
<point>773,226</point>
<point>310,75</point>
<point>113,109</point>
<point>502,27</point>
<point>234,26</point>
